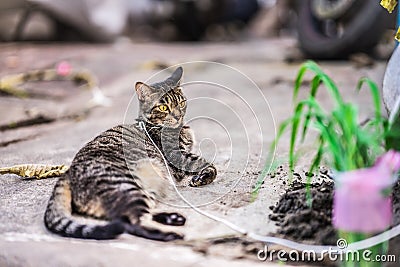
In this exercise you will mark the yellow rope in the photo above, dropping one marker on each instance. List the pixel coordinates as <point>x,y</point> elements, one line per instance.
<point>35,170</point>
<point>10,83</point>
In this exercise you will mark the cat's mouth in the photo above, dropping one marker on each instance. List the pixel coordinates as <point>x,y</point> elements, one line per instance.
<point>170,122</point>
<point>173,123</point>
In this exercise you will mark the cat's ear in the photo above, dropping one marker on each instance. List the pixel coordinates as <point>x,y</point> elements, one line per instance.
<point>143,90</point>
<point>176,77</point>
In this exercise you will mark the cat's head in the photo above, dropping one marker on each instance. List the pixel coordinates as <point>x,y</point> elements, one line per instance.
<point>162,103</point>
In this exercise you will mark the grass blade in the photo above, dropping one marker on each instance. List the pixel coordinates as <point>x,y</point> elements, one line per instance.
<point>376,97</point>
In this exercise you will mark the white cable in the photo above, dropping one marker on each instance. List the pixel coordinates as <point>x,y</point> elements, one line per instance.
<point>366,243</point>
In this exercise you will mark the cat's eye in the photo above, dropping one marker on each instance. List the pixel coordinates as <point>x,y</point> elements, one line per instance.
<point>163,107</point>
<point>182,104</point>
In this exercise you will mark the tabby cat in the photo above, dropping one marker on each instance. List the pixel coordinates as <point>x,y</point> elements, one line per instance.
<point>117,176</point>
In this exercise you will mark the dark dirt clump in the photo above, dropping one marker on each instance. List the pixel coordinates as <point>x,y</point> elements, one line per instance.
<point>394,243</point>
<point>396,203</point>
<point>298,221</point>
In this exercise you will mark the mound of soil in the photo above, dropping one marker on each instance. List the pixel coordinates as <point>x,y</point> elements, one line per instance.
<point>298,221</point>
<point>394,243</point>
<point>396,203</point>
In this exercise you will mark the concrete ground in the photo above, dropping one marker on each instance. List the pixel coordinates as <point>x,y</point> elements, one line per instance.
<point>233,109</point>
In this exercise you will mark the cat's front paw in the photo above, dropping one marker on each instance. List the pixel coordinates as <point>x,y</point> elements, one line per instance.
<point>206,176</point>
<point>166,218</point>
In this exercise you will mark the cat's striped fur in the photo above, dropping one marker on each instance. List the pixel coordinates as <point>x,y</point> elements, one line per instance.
<point>116,176</point>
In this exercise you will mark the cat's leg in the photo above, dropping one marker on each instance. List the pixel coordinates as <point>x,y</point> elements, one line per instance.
<point>152,233</point>
<point>184,163</point>
<point>174,219</point>
<point>186,138</point>
<point>149,226</point>
<point>189,164</point>
<point>132,209</point>
<point>127,199</point>
<point>206,176</point>
<point>124,201</point>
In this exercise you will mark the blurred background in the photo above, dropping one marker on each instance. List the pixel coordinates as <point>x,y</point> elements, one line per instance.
<point>326,29</point>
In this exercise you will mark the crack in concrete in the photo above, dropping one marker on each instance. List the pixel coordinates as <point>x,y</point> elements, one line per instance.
<point>42,119</point>
<point>39,119</point>
<point>14,141</point>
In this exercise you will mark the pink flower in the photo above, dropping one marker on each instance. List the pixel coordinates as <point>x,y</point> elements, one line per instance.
<point>390,160</point>
<point>63,68</point>
<point>360,204</point>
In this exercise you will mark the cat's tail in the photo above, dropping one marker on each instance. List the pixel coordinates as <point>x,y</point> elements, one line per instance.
<point>58,218</point>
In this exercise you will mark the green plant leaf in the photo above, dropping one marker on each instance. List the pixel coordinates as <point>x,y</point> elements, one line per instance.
<point>374,93</point>
<point>392,138</point>
<point>341,139</point>
<point>326,80</point>
<point>293,137</point>
<point>270,161</point>
<point>315,83</point>
<point>299,80</point>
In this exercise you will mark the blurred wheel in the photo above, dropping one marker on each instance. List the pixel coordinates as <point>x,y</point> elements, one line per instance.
<point>330,29</point>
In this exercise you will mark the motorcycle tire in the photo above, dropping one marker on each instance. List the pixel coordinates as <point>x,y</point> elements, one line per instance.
<point>364,28</point>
